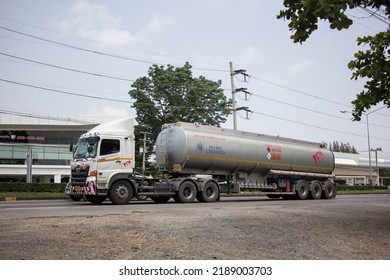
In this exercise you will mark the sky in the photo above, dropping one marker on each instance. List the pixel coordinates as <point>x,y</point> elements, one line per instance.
<point>80,58</point>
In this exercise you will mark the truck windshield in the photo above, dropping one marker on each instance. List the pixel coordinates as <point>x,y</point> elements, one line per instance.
<point>86,148</point>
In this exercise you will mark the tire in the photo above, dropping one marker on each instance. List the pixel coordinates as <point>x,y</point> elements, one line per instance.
<point>329,190</point>
<point>316,190</point>
<point>75,198</point>
<point>121,192</point>
<point>210,192</point>
<point>273,196</point>
<point>187,192</point>
<point>302,190</point>
<point>96,199</point>
<point>160,199</point>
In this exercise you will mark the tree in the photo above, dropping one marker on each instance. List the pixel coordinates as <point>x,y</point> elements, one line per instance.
<point>373,65</point>
<point>340,147</point>
<point>170,94</point>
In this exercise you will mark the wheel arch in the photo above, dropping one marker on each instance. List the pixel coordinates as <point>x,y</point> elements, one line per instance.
<point>123,176</point>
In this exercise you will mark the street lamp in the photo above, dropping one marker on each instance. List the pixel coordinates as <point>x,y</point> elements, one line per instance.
<point>368,137</point>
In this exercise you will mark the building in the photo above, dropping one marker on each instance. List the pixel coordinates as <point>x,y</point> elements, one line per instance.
<point>354,169</point>
<point>49,139</point>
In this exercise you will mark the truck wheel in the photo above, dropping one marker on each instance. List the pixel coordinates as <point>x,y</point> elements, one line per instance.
<point>160,199</point>
<point>302,190</point>
<point>210,193</point>
<point>96,199</point>
<point>186,193</point>
<point>121,192</point>
<point>316,190</point>
<point>329,190</point>
<point>75,198</point>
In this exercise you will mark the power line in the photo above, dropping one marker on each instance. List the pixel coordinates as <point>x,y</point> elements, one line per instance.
<point>306,94</point>
<point>311,110</point>
<point>318,127</point>
<point>180,106</point>
<point>378,14</point>
<point>99,52</point>
<point>64,92</point>
<point>66,68</point>
<point>28,115</point>
<point>299,91</point>
<point>127,48</point>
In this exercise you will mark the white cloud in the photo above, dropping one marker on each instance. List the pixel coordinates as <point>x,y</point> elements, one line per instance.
<point>94,21</point>
<point>301,66</point>
<point>108,111</point>
<point>249,55</point>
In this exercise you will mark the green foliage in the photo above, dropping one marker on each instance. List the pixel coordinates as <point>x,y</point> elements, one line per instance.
<point>304,16</point>
<point>371,65</point>
<point>361,188</point>
<point>170,94</point>
<point>32,187</point>
<point>341,147</point>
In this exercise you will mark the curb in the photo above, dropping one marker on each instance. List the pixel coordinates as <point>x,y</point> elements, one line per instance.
<point>13,198</point>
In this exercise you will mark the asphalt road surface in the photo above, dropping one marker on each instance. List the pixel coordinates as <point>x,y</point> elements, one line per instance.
<point>60,208</point>
<point>347,227</point>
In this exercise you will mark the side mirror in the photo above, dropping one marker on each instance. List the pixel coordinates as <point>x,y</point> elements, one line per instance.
<point>71,148</point>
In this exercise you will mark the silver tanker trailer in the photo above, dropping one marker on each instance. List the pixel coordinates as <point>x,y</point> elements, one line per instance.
<point>231,161</point>
<point>201,162</point>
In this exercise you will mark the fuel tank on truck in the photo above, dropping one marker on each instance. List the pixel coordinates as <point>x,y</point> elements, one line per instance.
<point>191,148</point>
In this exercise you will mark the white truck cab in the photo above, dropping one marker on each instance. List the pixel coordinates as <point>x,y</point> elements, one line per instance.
<point>103,163</point>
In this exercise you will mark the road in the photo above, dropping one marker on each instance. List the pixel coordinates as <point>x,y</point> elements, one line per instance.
<point>68,208</point>
<point>347,227</point>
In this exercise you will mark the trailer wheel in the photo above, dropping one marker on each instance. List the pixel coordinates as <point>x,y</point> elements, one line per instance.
<point>302,190</point>
<point>316,190</point>
<point>96,199</point>
<point>329,190</point>
<point>121,192</point>
<point>186,193</point>
<point>210,193</point>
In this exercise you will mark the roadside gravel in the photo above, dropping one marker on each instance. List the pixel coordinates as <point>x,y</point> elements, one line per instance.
<point>205,234</point>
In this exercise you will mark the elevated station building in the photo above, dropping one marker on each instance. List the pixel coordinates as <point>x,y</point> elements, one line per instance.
<point>49,139</point>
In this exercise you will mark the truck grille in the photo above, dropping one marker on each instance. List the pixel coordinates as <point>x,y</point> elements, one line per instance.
<point>79,175</point>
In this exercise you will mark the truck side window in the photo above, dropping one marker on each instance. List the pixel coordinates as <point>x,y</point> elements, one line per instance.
<point>109,146</point>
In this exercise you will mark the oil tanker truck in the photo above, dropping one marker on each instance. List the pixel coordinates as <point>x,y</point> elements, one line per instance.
<point>199,162</point>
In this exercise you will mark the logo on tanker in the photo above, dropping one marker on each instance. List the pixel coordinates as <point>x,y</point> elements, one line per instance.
<point>274,152</point>
<point>210,149</point>
<point>199,147</point>
<point>318,156</point>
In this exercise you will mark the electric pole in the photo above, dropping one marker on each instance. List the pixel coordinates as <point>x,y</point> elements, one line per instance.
<point>233,97</point>
<point>235,90</point>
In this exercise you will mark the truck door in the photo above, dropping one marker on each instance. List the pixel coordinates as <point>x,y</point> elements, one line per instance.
<point>109,159</point>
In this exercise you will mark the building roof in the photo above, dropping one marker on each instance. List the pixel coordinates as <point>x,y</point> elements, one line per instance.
<point>358,160</point>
